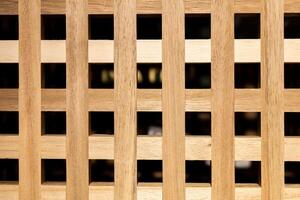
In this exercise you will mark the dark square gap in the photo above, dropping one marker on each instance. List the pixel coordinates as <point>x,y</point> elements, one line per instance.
<point>53,75</point>
<point>247,26</point>
<point>291,123</point>
<point>149,123</point>
<point>9,27</point>
<point>197,123</point>
<point>198,171</point>
<point>247,75</point>
<point>149,170</point>
<point>9,75</point>
<point>149,76</point>
<point>101,123</point>
<point>53,170</point>
<point>292,25</point>
<point>101,75</point>
<point>247,123</point>
<point>197,26</point>
<point>9,122</point>
<point>292,172</point>
<point>149,26</point>
<point>53,122</point>
<point>247,172</point>
<point>101,27</point>
<point>9,170</point>
<point>291,75</point>
<point>197,75</point>
<point>53,27</point>
<point>101,170</point>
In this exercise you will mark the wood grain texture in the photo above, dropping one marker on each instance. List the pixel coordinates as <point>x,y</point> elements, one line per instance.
<point>125,99</point>
<point>150,51</point>
<point>272,52</point>
<point>146,6</point>
<point>29,100</point>
<point>173,99</point>
<point>149,148</point>
<point>77,100</point>
<point>246,100</point>
<point>222,102</point>
<point>146,191</point>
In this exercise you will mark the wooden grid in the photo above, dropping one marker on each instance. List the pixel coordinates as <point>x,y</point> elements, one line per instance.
<point>222,100</point>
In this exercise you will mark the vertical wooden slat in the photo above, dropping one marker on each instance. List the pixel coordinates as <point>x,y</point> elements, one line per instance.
<point>272,92</point>
<point>77,112</point>
<point>173,100</point>
<point>222,99</point>
<point>125,99</point>
<point>29,99</point>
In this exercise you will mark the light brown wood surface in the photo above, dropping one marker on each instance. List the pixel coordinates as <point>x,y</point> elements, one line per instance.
<point>222,99</point>
<point>29,100</point>
<point>146,6</point>
<point>173,98</point>
<point>272,160</point>
<point>125,100</point>
<point>272,149</point>
<point>76,100</point>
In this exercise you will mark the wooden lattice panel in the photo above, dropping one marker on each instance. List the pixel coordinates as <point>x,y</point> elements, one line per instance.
<point>34,102</point>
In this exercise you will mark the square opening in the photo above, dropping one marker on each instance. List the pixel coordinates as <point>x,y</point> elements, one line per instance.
<point>149,76</point>
<point>247,26</point>
<point>53,170</point>
<point>149,171</point>
<point>247,75</point>
<point>9,170</point>
<point>197,75</point>
<point>291,124</point>
<point>292,172</point>
<point>9,122</point>
<point>9,27</point>
<point>197,123</point>
<point>247,172</point>
<point>9,75</point>
<point>53,122</point>
<point>101,75</point>
<point>101,27</point>
<point>101,123</point>
<point>198,171</point>
<point>149,26</point>
<point>149,123</point>
<point>54,75</point>
<point>247,123</point>
<point>291,25</point>
<point>53,27</point>
<point>291,75</point>
<point>197,26</point>
<point>101,170</point>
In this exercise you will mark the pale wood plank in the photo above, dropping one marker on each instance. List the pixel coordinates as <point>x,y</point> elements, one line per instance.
<point>9,147</point>
<point>10,7</point>
<point>149,51</point>
<point>77,100</point>
<point>29,99</point>
<point>222,99</point>
<point>246,100</point>
<point>173,99</point>
<point>9,191</point>
<point>148,191</point>
<point>291,100</point>
<point>272,163</point>
<point>125,99</point>
<point>150,148</point>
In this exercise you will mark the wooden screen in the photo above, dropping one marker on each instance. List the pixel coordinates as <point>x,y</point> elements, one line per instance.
<point>54,110</point>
